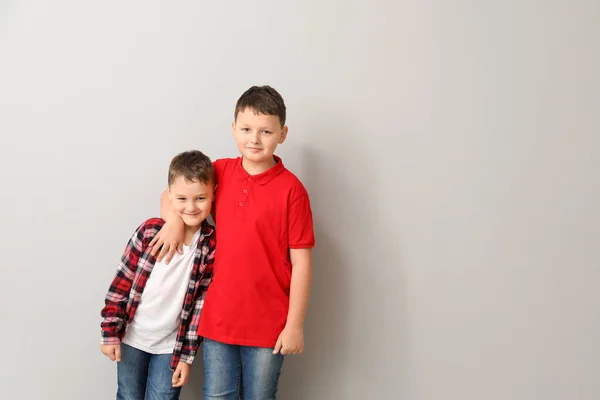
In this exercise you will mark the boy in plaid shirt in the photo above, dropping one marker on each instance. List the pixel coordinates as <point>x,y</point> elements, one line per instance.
<point>152,310</point>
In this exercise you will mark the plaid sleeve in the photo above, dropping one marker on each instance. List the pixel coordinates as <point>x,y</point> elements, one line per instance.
<point>114,311</point>
<point>191,341</point>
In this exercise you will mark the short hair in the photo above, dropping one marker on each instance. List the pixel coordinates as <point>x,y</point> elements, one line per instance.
<point>193,166</point>
<point>263,100</point>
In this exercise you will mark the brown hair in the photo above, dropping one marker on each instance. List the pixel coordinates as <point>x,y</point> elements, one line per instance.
<point>193,166</point>
<point>262,100</point>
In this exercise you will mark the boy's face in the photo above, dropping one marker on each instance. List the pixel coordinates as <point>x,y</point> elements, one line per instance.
<point>191,201</point>
<point>257,135</point>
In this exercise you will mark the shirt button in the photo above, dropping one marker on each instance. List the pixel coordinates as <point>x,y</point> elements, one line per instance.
<point>245,190</point>
<point>240,203</point>
<point>249,179</point>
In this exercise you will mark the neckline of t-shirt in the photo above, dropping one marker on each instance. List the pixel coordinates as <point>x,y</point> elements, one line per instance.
<point>193,242</point>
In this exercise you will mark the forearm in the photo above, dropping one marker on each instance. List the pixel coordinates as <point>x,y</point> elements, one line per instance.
<point>115,302</point>
<point>299,287</point>
<point>188,353</point>
<point>111,330</point>
<point>191,340</point>
<point>166,211</point>
<point>113,322</point>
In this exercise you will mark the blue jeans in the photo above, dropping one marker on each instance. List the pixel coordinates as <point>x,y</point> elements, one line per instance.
<point>142,375</point>
<point>240,372</point>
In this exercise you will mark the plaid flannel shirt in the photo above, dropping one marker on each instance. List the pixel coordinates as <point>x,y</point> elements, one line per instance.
<point>126,289</point>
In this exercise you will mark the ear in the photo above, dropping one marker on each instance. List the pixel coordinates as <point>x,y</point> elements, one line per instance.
<point>284,132</point>
<point>169,194</point>
<point>233,128</point>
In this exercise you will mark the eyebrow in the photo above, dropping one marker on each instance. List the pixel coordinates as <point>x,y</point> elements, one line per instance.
<point>260,127</point>
<point>195,195</point>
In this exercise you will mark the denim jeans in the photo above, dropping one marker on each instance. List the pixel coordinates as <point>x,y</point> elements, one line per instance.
<point>240,372</point>
<point>142,375</point>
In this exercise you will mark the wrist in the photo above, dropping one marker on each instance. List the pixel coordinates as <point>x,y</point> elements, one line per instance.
<point>174,219</point>
<point>186,359</point>
<point>110,341</point>
<point>295,325</point>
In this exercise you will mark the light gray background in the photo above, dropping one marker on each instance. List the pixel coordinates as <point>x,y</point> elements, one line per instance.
<point>449,148</point>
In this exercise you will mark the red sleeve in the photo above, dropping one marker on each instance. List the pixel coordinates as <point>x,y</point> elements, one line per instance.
<point>300,223</point>
<point>219,166</point>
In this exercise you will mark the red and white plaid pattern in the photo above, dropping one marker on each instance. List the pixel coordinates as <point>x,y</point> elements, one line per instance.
<point>126,289</point>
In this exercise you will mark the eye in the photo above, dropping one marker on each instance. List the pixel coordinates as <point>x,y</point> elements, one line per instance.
<point>200,198</point>
<point>245,129</point>
<point>181,198</point>
<point>267,132</point>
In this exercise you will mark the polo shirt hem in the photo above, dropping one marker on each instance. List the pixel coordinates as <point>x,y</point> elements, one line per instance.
<point>241,342</point>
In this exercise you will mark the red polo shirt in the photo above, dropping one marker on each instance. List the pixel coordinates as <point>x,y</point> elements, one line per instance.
<point>258,219</point>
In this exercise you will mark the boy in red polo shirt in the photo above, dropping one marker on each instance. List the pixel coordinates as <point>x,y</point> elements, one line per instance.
<point>254,309</point>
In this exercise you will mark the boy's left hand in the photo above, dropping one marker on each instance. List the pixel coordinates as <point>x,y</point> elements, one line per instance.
<point>181,376</point>
<point>290,341</point>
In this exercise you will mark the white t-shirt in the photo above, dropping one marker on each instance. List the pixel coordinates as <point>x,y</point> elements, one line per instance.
<point>154,326</point>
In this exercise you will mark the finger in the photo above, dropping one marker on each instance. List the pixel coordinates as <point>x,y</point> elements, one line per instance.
<point>175,378</point>
<point>277,346</point>
<point>111,355</point>
<point>172,251</point>
<point>155,247</point>
<point>118,353</point>
<point>163,252</point>
<point>180,248</point>
<point>178,381</point>
<point>184,378</point>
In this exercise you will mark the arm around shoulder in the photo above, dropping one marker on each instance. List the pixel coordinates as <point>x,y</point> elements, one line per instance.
<point>170,238</point>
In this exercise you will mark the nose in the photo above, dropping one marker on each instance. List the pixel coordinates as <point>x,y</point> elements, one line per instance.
<point>254,137</point>
<point>191,207</point>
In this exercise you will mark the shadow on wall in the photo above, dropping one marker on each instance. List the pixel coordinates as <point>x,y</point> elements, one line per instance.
<point>356,326</point>
<point>326,316</point>
<point>340,181</point>
<point>193,390</point>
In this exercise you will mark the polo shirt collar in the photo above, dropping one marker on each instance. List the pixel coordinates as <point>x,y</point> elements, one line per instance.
<point>264,177</point>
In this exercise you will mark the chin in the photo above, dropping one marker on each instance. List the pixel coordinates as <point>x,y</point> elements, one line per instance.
<point>193,221</point>
<point>257,158</point>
